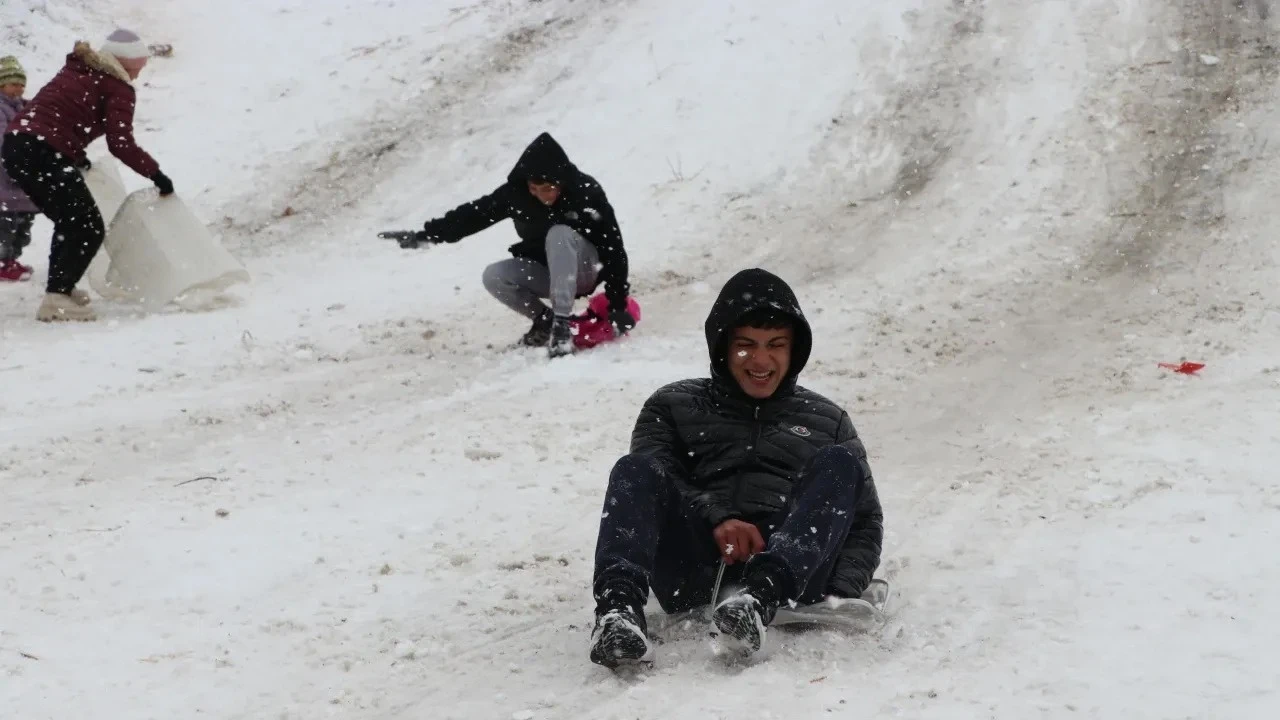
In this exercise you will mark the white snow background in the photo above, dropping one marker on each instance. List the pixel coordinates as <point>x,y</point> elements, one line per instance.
<point>1000,216</point>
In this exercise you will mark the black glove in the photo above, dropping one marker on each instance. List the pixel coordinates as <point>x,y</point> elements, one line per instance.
<point>163,182</point>
<point>409,239</point>
<point>84,164</point>
<point>622,321</point>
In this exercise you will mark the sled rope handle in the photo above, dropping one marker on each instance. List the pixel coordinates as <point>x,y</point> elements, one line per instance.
<point>715,591</point>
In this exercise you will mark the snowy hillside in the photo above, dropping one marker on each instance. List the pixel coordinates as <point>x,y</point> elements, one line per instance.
<point>331,498</point>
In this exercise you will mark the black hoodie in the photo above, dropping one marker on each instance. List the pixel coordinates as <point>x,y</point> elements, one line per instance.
<point>582,205</point>
<point>733,456</point>
<point>745,292</point>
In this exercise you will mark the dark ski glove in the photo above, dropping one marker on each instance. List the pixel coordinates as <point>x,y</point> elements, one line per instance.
<point>163,182</point>
<point>409,239</point>
<point>84,164</point>
<point>622,321</point>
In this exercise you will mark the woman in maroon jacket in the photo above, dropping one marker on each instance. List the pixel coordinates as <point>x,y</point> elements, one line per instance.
<point>91,96</point>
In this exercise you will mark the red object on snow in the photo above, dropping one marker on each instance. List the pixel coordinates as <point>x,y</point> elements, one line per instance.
<point>1186,368</point>
<point>14,271</point>
<point>593,327</point>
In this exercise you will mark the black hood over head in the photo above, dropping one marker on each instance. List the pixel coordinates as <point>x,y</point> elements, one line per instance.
<point>750,290</point>
<point>544,160</point>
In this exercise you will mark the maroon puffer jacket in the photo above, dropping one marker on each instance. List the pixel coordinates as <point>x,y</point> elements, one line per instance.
<point>91,96</point>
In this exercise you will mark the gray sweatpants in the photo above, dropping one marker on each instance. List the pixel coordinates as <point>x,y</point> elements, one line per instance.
<point>570,271</point>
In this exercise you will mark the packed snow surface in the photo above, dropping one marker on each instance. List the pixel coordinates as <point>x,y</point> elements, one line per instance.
<point>332,493</point>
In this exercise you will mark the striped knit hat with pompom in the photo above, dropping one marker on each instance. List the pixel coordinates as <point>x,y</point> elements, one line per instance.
<point>11,71</point>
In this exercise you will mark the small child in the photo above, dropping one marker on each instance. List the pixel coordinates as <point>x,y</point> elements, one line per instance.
<point>16,209</point>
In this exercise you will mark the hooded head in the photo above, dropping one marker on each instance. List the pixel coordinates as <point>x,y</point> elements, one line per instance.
<point>541,167</point>
<point>754,318</point>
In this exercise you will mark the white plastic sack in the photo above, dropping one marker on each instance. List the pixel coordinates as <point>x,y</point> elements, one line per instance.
<point>160,250</point>
<point>108,192</point>
<point>106,186</point>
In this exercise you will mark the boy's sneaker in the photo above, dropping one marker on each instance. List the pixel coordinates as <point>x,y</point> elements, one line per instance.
<point>561,337</point>
<point>744,615</point>
<point>540,332</point>
<point>621,635</point>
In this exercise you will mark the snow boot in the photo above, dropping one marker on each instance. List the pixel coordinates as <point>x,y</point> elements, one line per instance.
<point>540,332</point>
<point>561,337</point>
<point>80,297</point>
<point>744,615</point>
<point>14,271</point>
<point>57,306</point>
<point>621,635</point>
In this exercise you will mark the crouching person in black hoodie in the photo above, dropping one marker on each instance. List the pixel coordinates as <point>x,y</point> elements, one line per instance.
<point>744,466</point>
<point>570,243</point>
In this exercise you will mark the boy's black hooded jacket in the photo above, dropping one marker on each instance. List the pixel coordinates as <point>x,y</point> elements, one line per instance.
<point>733,456</point>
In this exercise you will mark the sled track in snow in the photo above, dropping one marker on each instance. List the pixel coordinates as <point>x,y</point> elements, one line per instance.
<point>928,115</point>
<point>1168,191</point>
<point>1139,202</point>
<point>1140,266</point>
<point>874,163</point>
<point>869,169</point>
<point>556,650</point>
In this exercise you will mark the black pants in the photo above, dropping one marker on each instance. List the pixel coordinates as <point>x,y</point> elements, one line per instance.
<point>648,540</point>
<point>58,189</point>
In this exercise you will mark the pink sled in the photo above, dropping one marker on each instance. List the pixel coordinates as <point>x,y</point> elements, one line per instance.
<point>593,328</point>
